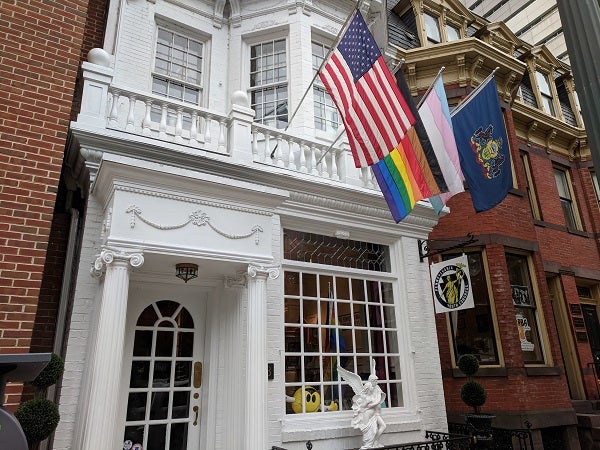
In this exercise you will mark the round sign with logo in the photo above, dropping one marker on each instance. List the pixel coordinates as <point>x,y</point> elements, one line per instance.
<point>127,445</point>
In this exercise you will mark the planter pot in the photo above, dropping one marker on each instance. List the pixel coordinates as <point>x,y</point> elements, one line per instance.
<point>481,425</point>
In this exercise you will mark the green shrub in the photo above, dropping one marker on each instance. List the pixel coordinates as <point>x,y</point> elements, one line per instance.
<point>51,373</point>
<point>38,418</point>
<point>473,394</point>
<point>468,364</point>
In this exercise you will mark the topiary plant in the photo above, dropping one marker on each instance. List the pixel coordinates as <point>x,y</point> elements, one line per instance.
<point>472,393</point>
<point>51,373</point>
<point>38,418</point>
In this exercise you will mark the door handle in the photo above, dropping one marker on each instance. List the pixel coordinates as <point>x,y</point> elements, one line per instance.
<point>197,375</point>
<point>195,409</point>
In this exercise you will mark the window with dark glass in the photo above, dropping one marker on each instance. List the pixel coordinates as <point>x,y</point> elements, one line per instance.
<point>268,83</point>
<point>332,317</point>
<point>473,330</point>
<point>524,302</point>
<point>596,185</point>
<point>530,187</point>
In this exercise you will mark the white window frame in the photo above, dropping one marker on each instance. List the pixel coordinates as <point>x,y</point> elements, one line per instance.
<point>318,86</point>
<point>249,42</point>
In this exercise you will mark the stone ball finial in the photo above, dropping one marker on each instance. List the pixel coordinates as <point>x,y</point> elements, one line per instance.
<point>99,56</point>
<point>240,98</point>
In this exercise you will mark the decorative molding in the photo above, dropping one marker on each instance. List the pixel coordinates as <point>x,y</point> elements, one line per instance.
<point>106,225</point>
<point>572,146</point>
<point>475,67</point>
<point>109,255</point>
<point>255,270</point>
<point>412,79</point>
<point>265,24</point>
<point>195,201</point>
<point>530,130</point>
<point>239,280</point>
<point>197,218</point>
<point>461,67</point>
<point>508,86</point>
<point>342,234</point>
<point>550,139</point>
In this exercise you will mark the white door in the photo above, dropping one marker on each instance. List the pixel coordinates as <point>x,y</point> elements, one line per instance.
<point>163,375</point>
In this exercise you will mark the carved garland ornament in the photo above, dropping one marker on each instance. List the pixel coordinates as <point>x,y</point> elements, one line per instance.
<point>197,218</point>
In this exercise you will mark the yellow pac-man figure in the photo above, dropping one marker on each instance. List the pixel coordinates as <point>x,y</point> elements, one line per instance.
<point>312,400</point>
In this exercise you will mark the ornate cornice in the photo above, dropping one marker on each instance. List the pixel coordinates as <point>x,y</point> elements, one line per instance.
<point>195,201</point>
<point>110,255</point>
<point>239,280</point>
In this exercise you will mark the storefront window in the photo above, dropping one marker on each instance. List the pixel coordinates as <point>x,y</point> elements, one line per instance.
<point>525,308</point>
<point>473,329</point>
<point>336,319</point>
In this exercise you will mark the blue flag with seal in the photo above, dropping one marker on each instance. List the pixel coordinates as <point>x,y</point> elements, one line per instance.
<point>483,146</point>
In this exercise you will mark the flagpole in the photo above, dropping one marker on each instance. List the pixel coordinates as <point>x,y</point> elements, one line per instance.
<point>333,47</point>
<point>439,74</point>
<point>344,130</point>
<point>473,92</point>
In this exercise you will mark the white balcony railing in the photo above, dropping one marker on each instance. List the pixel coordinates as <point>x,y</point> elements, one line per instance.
<point>112,107</point>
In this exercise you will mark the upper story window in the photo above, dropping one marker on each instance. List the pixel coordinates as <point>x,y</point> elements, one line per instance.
<point>327,117</point>
<point>545,93</point>
<point>536,211</point>
<point>177,67</point>
<point>452,33</point>
<point>474,330</point>
<point>519,275</point>
<point>565,193</point>
<point>432,27</point>
<point>337,317</point>
<point>596,185</point>
<point>269,83</point>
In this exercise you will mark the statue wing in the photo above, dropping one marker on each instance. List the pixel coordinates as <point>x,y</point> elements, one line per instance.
<point>353,379</point>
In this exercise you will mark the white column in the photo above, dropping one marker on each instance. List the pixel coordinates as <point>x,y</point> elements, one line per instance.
<point>106,362</point>
<point>256,358</point>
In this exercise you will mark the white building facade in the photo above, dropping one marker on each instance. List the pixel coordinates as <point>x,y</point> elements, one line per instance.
<point>193,151</point>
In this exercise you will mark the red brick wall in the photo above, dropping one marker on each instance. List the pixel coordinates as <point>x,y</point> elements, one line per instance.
<point>41,46</point>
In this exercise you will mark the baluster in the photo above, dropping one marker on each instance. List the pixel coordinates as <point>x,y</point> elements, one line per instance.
<point>267,149</point>
<point>291,157</point>
<point>194,129</point>
<point>334,167</point>
<point>279,153</point>
<point>162,128</point>
<point>255,145</point>
<point>130,115</point>
<point>147,122</point>
<point>222,143</point>
<point>207,120</point>
<point>313,160</point>
<point>324,169</point>
<point>302,157</point>
<point>179,125</point>
<point>113,118</point>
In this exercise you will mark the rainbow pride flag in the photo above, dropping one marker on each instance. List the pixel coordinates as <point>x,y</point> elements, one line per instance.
<point>410,172</point>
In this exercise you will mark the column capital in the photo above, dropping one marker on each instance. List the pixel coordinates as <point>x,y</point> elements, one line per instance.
<point>239,280</point>
<point>258,270</point>
<point>110,255</point>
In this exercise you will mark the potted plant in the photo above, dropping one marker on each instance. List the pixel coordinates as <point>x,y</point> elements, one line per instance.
<point>474,395</point>
<point>39,417</point>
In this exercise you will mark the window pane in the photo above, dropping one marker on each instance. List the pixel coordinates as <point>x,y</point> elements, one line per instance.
<point>335,329</point>
<point>473,329</point>
<point>432,28</point>
<point>452,33</point>
<point>525,307</point>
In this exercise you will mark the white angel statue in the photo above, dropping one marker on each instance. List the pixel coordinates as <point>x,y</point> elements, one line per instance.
<point>366,405</point>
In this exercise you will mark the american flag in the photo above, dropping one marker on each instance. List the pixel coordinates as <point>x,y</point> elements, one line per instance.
<point>375,114</point>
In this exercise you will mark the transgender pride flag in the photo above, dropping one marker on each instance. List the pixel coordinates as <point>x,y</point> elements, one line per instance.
<point>435,115</point>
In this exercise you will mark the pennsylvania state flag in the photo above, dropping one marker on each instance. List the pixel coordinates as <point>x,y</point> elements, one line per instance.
<point>483,146</point>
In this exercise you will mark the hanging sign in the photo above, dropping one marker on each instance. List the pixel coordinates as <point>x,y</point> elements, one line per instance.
<point>451,285</point>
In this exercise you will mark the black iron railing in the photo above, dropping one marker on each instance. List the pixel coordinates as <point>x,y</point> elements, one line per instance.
<point>502,439</point>
<point>436,441</point>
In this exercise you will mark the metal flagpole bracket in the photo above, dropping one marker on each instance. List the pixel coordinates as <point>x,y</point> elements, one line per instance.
<point>442,245</point>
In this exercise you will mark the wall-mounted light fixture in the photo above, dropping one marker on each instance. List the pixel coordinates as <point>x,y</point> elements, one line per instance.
<point>186,271</point>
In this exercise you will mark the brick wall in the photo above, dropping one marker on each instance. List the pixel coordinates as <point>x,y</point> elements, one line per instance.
<point>41,46</point>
